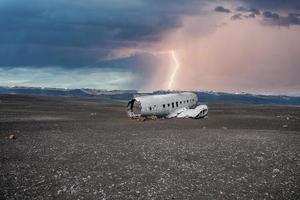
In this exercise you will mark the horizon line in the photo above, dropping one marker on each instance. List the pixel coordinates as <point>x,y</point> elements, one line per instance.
<point>151,91</point>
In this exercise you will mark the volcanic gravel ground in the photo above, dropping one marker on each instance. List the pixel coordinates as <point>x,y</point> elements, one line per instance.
<point>74,148</point>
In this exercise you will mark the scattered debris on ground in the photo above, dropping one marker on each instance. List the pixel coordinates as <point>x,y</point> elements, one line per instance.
<point>12,137</point>
<point>152,117</point>
<point>141,119</point>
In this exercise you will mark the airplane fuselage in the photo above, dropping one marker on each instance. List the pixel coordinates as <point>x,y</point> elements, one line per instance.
<point>161,105</point>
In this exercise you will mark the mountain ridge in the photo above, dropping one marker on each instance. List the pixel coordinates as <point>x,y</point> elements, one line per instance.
<point>204,96</point>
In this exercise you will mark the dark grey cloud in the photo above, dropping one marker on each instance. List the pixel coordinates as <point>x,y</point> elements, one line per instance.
<point>241,9</point>
<point>252,15</point>
<point>272,18</point>
<point>247,13</point>
<point>272,4</point>
<point>270,15</point>
<point>77,32</point>
<point>73,33</point>
<point>248,10</point>
<point>294,14</point>
<point>237,16</point>
<point>254,11</point>
<point>221,9</point>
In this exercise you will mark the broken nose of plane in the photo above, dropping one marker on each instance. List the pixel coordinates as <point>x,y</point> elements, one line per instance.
<point>134,108</point>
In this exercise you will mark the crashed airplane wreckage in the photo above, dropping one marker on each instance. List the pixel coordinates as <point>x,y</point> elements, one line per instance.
<point>180,105</point>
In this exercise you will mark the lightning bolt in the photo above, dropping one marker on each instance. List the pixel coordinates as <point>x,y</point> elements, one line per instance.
<point>174,72</point>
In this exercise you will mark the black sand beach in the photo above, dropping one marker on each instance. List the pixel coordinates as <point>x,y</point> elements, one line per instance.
<point>84,148</point>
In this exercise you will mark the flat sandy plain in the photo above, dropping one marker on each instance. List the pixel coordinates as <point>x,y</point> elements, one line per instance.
<point>74,148</point>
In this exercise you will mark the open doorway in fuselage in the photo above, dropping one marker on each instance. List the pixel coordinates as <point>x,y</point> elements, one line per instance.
<point>134,108</point>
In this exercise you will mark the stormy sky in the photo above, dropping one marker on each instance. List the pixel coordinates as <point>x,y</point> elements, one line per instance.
<point>232,46</point>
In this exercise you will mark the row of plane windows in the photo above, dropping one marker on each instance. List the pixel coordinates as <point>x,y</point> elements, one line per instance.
<point>173,103</point>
